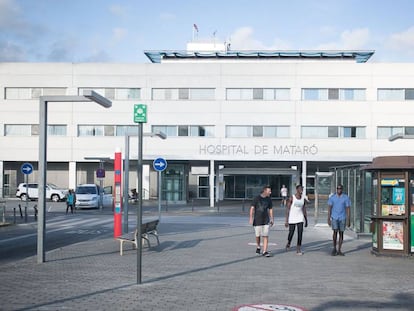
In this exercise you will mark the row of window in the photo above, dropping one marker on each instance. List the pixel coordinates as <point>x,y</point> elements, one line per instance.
<point>271,94</point>
<point>35,92</point>
<point>232,131</point>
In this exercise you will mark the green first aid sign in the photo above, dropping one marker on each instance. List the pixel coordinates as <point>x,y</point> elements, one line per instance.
<point>140,113</point>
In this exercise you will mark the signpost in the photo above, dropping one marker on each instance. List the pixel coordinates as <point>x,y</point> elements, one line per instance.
<point>140,116</point>
<point>159,164</point>
<point>26,169</point>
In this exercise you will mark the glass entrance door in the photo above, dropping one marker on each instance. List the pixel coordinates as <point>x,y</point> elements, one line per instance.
<point>173,189</point>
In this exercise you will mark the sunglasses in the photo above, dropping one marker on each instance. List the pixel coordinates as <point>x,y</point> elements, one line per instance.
<point>339,188</point>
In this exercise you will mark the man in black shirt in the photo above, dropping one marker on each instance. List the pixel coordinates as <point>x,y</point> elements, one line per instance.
<point>261,217</point>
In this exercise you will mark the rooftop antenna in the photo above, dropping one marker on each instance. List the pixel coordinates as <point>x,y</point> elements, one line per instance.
<point>195,32</point>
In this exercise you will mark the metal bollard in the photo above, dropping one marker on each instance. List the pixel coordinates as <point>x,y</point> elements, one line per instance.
<point>25,214</point>
<point>14,214</point>
<point>192,205</point>
<point>4,213</point>
<point>35,212</point>
<point>20,209</point>
<point>244,201</point>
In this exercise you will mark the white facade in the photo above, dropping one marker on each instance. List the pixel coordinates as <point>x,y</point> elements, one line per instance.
<point>345,131</point>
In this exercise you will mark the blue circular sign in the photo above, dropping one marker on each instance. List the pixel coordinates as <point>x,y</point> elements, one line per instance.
<point>26,168</point>
<point>159,164</point>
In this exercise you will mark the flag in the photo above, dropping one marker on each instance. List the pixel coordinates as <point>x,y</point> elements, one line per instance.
<point>195,27</point>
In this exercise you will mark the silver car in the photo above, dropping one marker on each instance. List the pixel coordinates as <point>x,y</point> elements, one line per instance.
<point>89,195</point>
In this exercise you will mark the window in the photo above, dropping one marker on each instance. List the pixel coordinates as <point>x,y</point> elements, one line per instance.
<point>185,130</point>
<point>116,93</point>
<point>184,94</point>
<point>56,130</point>
<point>122,130</point>
<point>182,130</point>
<point>90,130</point>
<point>32,92</point>
<point>239,131</point>
<point>409,94</point>
<point>17,130</point>
<point>33,130</point>
<point>333,94</point>
<point>203,186</point>
<point>257,131</point>
<point>409,130</point>
<point>198,130</point>
<point>333,132</point>
<point>314,94</point>
<point>391,94</point>
<point>383,132</point>
<point>257,94</point>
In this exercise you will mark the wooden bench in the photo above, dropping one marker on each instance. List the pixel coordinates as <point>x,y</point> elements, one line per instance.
<point>147,229</point>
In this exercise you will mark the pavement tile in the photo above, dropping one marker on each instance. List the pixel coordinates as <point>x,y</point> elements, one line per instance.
<point>208,262</point>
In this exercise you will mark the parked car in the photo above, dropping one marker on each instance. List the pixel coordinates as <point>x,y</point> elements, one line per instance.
<point>88,196</point>
<point>31,192</point>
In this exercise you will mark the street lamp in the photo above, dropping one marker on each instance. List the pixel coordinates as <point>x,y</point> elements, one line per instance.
<point>126,172</point>
<point>400,136</point>
<point>88,95</point>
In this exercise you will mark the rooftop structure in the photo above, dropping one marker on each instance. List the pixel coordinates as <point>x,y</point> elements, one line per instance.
<point>177,55</point>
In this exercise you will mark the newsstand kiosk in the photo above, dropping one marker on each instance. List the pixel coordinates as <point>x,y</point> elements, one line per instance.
<point>392,219</point>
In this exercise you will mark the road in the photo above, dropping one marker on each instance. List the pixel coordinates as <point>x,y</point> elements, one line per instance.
<point>20,240</point>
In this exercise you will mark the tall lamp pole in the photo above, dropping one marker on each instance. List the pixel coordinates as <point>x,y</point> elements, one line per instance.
<point>126,173</point>
<point>88,95</point>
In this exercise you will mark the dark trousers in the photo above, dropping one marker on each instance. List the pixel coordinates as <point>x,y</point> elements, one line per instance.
<point>292,231</point>
<point>71,208</point>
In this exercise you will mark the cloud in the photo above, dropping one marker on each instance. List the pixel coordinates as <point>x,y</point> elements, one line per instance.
<point>118,10</point>
<point>243,39</point>
<point>166,16</point>
<point>402,40</point>
<point>349,40</point>
<point>98,56</point>
<point>119,33</point>
<point>61,51</point>
<point>10,52</point>
<point>9,15</point>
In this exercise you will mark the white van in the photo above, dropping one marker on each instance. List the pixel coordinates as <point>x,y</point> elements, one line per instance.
<point>88,196</point>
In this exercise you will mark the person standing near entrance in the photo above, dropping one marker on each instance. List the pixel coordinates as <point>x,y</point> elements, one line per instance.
<point>70,201</point>
<point>296,217</point>
<point>339,214</point>
<point>261,217</point>
<point>284,195</point>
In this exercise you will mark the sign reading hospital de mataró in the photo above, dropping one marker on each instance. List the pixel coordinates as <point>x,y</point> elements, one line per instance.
<point>241,150</point>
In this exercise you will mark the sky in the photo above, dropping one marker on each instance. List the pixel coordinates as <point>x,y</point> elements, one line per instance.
<point>119,31</point>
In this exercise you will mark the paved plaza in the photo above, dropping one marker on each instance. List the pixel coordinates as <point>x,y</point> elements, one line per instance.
<point>207,261</point>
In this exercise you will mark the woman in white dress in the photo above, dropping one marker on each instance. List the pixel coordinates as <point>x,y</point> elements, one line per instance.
<point>296,217</point>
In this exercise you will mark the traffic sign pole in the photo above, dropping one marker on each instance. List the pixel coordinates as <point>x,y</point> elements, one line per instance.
<point>159,164</point>
<point>26,169</point>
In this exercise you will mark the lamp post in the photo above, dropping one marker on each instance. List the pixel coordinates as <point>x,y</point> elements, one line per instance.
<point>88,95</point>
<point>126,172</point>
